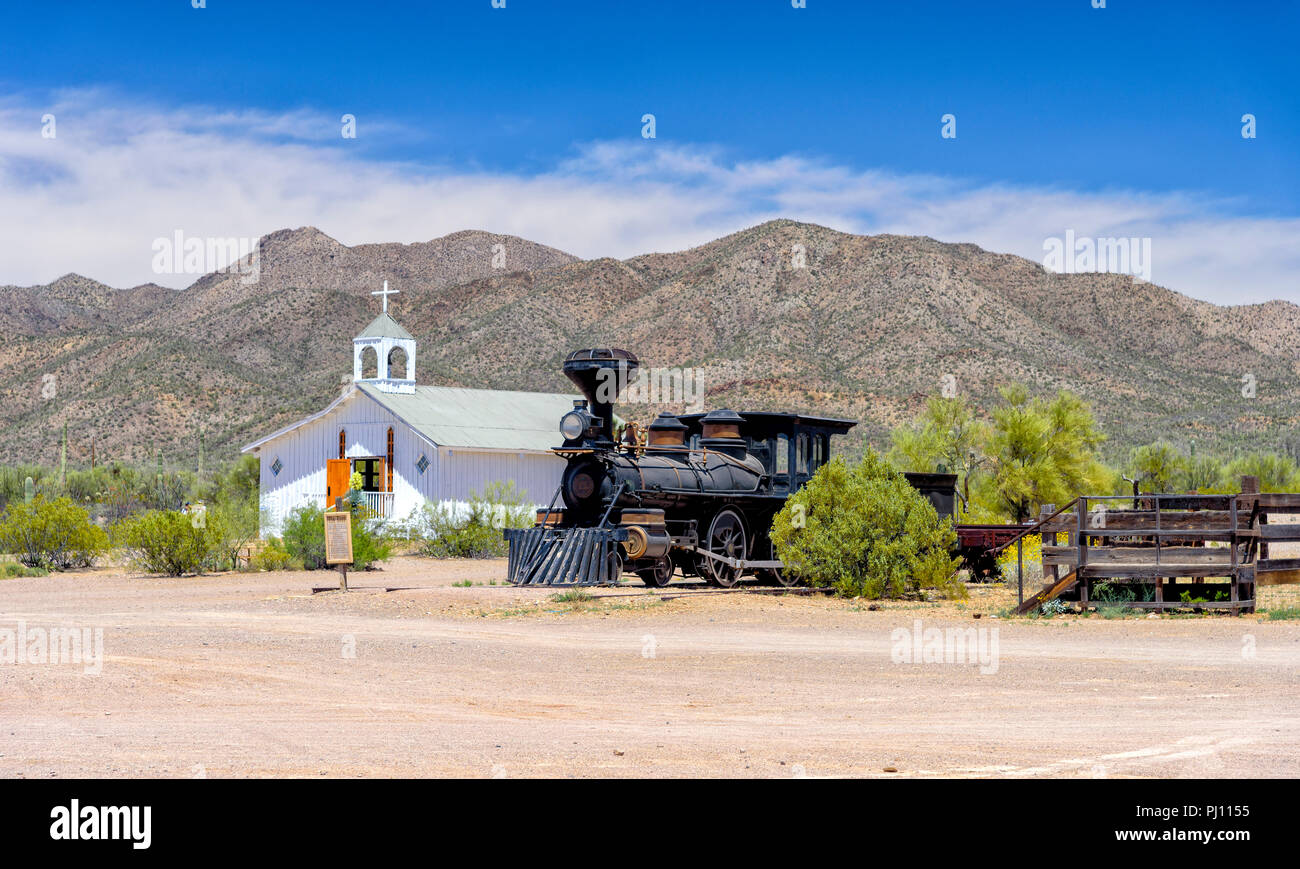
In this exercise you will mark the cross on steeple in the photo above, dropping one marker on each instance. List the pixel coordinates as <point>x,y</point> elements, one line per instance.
<point>385,292</point>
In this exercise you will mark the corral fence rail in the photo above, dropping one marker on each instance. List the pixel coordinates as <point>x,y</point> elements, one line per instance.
<point>1167,551</point>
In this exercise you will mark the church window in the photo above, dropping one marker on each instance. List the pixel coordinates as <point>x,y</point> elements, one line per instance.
<point>389,467</point>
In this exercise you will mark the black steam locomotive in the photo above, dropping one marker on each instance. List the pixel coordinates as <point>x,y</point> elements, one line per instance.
<point>698,496</point>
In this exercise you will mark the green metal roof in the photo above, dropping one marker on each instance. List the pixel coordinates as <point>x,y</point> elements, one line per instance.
<point>385,326</point>
<point>483,418</point>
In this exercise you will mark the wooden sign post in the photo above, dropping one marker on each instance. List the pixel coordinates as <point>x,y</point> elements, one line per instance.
<point>338,541</point>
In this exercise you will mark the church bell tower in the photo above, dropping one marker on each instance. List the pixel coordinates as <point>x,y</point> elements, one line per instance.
<point>388,349</point>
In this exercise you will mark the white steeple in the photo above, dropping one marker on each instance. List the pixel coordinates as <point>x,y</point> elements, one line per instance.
<point>388,341</point>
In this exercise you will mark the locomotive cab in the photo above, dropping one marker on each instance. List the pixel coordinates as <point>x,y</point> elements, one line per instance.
<point>790,446</point>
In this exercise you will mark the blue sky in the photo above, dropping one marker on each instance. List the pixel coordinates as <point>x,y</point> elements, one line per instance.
<point>1122,120</point>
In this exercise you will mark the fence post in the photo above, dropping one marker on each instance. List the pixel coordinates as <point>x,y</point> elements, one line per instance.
<point>1081,536</point>
<point>1020,572</point>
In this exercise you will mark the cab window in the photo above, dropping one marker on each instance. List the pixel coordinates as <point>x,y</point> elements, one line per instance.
<point>801,454</point>
<point>819,451</point>
<point>782,455</point>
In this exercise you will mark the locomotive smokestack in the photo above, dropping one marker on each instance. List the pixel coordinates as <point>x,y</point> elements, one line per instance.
<point>601,374</point>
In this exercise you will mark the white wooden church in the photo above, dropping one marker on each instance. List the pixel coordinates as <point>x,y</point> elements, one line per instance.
<point>411,444</point>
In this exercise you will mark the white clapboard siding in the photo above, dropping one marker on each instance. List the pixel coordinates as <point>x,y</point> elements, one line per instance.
<point>452,474</point>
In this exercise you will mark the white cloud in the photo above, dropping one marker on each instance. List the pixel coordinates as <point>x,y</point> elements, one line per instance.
<point>121,174</point>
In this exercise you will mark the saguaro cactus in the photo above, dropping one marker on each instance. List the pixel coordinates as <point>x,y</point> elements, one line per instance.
<point>29,490</point>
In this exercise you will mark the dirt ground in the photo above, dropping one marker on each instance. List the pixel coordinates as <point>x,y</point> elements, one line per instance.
<point>413,674</point>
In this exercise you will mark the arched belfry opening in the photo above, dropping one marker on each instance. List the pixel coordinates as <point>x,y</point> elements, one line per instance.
<point>399,365</point>
<point>369,363</point>
<point>392,347</point>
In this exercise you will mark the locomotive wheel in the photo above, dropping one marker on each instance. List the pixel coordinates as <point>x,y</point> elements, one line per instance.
<point>782,578</point>
<point>726,537</point>
<point>776,574</point>
<point>659,575</point>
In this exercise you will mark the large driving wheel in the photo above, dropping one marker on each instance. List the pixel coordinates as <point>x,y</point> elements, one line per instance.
<point>659,575</point>
<point>726,537</point>
<point>776,574</point>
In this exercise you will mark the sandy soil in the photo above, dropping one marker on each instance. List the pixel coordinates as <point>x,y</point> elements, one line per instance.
<point>412,675</point>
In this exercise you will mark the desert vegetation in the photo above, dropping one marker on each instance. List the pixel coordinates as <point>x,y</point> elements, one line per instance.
<point>472,530</point>
<point>167,522</point>
<point>1011,459</point>
<point>864,532</point>
<point>1027,452</point>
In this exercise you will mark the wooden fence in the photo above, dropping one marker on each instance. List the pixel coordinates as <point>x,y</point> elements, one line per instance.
<point>1167,551</point>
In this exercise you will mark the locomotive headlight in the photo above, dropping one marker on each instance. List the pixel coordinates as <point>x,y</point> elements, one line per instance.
<point>573,424</point>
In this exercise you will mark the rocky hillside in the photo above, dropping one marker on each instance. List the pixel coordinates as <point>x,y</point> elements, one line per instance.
<point>867,327</point>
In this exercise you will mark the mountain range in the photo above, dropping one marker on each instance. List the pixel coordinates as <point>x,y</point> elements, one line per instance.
<point>780,316</point>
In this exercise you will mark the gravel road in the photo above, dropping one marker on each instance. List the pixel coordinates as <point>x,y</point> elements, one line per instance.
<point>412,675</point>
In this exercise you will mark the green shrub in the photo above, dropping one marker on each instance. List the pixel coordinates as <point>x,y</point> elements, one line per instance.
<point>865,532</point>
<point>169,542</point>
<point>14,569</point>
<point>274,556</point>
<point>51,534</point>
<point>304,538</point>
<point>232,525</point>
<point>1112,592</point>
<point>473,532</point>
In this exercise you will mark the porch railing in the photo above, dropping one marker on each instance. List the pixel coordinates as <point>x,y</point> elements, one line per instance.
<point>380,503</point>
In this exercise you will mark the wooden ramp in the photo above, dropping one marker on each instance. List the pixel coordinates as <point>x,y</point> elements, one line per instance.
<point>1051,591</point>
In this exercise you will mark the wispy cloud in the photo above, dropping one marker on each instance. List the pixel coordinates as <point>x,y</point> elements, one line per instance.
<point>121,174</point>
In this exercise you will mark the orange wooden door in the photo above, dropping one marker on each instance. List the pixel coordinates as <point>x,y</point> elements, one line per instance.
<point>338,473</point>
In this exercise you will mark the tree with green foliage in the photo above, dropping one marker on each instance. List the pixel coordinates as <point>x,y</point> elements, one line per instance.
<point>1199,474</point>
<point>169,542</point>
<point>1042,451</point>
<point>53,534</point>
<point>234,525</point>
<point>947,438</point>
<point>863,531</point>
<point>238,483</point>
<point>1156,466</point>
<point>1276,473</point>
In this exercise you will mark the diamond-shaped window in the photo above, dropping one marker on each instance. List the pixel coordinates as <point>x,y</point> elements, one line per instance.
<point>423,463</point>
<point>276,467</point>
